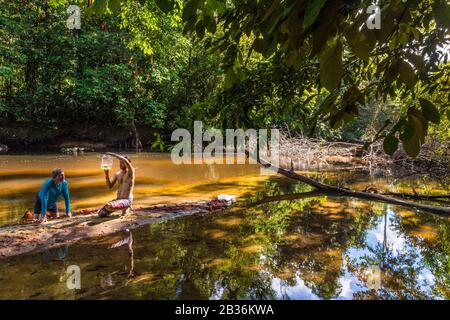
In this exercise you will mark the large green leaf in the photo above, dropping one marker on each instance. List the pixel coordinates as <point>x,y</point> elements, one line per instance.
<point>418,122</point>
<point>331,64</point>
<point>390,144</point>
<point>391,72</point>
<point>200,29</point>
<point>312,11</point>
<point>210,23</point>
<point>412,146</point>
<point>406,74</point>
<point>282,17</point>
<point>100,7</point>
<point>441,10</point>
<point>414,132</point>
<point>165,5</point>
<point>190,9</point>
<point>114,5</point>
<point>361,42</point>
<point>320,37</point>
<point>429,111</point>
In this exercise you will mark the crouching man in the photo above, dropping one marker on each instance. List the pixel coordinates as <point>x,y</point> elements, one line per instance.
<point>48,196</point>
<point>125,179</point>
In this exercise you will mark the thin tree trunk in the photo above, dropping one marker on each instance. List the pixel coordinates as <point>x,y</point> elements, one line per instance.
<point>136,139</point>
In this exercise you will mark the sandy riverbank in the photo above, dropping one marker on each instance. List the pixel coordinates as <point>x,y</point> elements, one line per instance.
<point>20,238</point>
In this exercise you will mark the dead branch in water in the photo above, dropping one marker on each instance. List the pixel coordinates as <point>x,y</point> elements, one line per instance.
<point>434,157</point>
<point>352,193</point>
<point>315,152</point>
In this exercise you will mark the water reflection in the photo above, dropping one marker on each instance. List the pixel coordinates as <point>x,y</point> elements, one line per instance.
<point>128,241</point>
<point>310,248</point>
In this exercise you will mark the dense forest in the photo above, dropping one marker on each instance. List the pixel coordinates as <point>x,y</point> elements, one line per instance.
<point>136,70</point>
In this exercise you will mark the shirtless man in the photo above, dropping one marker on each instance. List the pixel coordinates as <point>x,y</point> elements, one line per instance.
<point>125,177</point>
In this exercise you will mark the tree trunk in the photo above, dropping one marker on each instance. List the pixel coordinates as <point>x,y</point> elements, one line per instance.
<point>136,143</point>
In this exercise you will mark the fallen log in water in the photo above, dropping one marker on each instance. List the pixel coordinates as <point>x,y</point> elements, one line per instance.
<point>333,190</point>
<point>417,196</point>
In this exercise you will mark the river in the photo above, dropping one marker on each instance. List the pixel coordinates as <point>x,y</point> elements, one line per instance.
<point>311,248</point>
<point>158,181</point>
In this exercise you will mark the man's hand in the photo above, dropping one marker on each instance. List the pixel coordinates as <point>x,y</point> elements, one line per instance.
<point>110,183</point>
<point>127,162</point>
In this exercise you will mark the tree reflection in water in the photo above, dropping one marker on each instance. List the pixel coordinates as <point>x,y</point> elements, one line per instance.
<point>310,248</point>
<point>306,248</point>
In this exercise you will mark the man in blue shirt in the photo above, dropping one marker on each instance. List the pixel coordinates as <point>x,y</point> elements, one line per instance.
<point>49,194</point>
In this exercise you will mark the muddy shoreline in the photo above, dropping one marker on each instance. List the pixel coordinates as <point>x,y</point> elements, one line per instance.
<point>25,237</point>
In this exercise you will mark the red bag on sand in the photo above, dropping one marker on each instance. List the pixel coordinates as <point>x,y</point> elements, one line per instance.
<point>28,216</point>
<point>86,211</point>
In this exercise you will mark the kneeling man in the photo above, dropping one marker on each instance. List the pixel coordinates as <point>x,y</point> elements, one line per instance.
<point>125,178</point>
<point>49,194</point>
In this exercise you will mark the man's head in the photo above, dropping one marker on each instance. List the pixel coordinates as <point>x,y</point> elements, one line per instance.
<point>58,175</point>
<point>123,165</point>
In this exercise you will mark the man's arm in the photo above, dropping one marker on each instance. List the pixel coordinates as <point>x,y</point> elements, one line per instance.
<point>66,195</point>
<point>110,183</point>
<point>128,164</point>
<point>43,195</point>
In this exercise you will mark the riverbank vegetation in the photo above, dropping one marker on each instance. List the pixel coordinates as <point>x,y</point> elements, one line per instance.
<point>136,68</point>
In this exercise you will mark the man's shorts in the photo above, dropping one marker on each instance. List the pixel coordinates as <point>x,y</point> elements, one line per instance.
<point>50,207</point>
<point>118,204</point>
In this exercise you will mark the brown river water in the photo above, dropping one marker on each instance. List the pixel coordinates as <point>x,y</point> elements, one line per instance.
<point>311,248</point>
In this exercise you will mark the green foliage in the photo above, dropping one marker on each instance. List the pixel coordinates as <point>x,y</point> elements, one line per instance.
<point>130,68</point>
<point>311,65</point>
<point>387,62</point>
<point>158,143</point>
